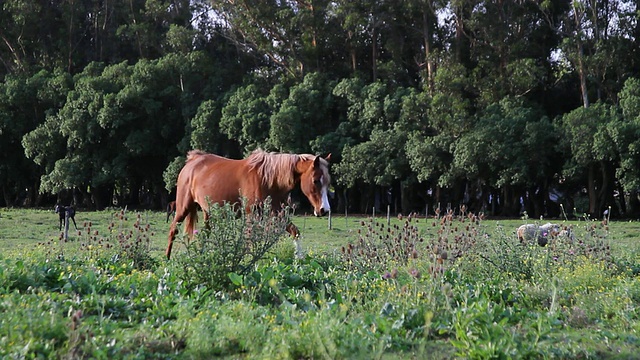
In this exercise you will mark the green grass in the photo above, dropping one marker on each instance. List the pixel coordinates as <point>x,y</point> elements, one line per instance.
<point>24,228</point>
<point>497,300</point>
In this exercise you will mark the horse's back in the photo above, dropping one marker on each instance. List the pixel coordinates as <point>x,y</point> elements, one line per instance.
<point>214,177</point>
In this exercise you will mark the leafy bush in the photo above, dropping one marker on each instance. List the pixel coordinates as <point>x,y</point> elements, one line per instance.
<point>231,241</point>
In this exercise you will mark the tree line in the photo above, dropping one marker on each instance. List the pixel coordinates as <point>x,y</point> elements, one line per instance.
<point>503,106</point>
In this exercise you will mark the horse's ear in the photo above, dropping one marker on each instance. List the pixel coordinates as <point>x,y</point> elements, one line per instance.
<point>316,161</point>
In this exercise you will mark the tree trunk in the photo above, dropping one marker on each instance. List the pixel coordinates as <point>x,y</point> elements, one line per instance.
<point>633,208</point>
<point>427,50</point>
<point>405,198</point>
<point>6,196</point>
<point>591,190</point>
<point>101,196</point>
<point>374,53</point>
<point>622,199</point>
<point>605,193</point>
<point>582,71</point>
<point>462,47</point>
<point>507,201</point>
<point>352,53</point>
<point>77,196</point>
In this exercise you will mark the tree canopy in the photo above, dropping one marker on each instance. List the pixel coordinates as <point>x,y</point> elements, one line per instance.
<point>501,106</point>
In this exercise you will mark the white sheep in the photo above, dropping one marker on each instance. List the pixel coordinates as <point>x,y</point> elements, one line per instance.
<point>540,233</point>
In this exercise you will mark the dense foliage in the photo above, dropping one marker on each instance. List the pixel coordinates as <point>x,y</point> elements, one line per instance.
<point>422,103</point>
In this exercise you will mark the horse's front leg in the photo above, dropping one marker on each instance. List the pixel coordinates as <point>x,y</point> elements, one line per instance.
<point>295,233</point>
<point>172,235</point>
<point>293,230</point>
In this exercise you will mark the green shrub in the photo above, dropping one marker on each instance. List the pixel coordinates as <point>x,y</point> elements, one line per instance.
<point>231,241</point>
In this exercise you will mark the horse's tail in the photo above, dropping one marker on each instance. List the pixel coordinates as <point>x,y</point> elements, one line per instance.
<point>190,222</point>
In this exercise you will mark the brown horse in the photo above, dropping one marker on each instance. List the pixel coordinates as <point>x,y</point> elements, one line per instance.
<point>262,174</point>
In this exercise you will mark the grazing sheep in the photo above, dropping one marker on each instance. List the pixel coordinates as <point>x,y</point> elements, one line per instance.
<point>540,233</point>
<point>568,234</point>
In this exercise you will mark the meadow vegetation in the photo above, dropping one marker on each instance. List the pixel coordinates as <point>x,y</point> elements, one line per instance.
<point>455,285</point>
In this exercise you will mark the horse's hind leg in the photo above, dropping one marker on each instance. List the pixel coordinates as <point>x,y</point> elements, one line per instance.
<point>182,212</point>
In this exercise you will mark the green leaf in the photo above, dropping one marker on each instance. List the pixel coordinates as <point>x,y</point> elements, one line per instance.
<point>235,279</point>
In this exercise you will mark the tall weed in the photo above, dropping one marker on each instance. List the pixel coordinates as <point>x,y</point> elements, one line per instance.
<point>232,240</point>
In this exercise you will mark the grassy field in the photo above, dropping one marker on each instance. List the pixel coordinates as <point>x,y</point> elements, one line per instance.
<point>453,287</point>
<point>23,229</point>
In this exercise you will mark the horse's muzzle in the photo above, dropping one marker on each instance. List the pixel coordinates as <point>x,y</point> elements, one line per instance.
<point>322,212</point>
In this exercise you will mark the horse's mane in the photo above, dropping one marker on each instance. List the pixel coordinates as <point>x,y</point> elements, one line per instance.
<point>193,153</point>
<point>276,169</point>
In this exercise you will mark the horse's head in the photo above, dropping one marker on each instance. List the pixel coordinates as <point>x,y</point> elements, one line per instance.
<point>314,182</point>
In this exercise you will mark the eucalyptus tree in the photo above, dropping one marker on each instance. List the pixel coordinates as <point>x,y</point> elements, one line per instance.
<point>590,153</point>
<point>510,47</point>
<point>597,43</point>
<point>433,35</point>
<point>626,137</point>
<point>448,116</point>
<point>245,117</point>
<point>379,120</point>
<point>291,35</point>
<point>118,128</point>
<point>71,34</point>
<point>303,115</point>
<point>32,35</point>
<point>511,149</point>
<point>25,102</point>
